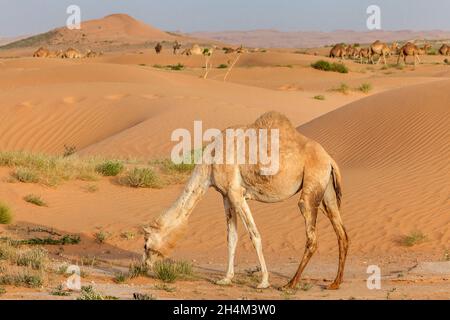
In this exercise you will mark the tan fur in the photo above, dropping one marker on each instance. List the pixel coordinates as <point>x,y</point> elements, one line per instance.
<point>72,54</point>
<point>338,51</point>
<point>409,49</point>
<point>305,169</point>
<point>381,49</point>
<point>445,50</point>
<point>41,53</point>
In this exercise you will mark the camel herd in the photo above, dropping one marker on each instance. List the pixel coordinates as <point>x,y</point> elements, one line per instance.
<point>68,54</point>
<point>382,50</point>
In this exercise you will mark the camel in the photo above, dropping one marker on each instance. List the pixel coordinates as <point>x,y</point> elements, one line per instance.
<point>72,54</point>
<point>424,50</point>
<point>445,50</point>
<point>195,50</point>
<point>364,54</point>
<point>41,53</point>
<point>55,54</point>
<point>351,52</point>
<point>176,47</point>
<point>409,49</point>
<point>380,49</point>
<point>158,48</point>
<point>305,168</point>
<point>395,47</point>
<point>93,54</point>
<point>338,51</point>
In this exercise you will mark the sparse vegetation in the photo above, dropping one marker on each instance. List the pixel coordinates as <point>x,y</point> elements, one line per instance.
<point>143,296</point>
<point>64,240</point>
<point>414,238</point>
<point>110,168</point>
<point>36,200</point>
<point>165,287</point>
<point>24,278</point>
<point>89,293</point>
<point>222,66</point>
<point>120,277</point>
<point>142,178</point>
<point>59,291</point>
<point>365,88</point>
<point>330,66</point>
<point>319,97</point>
<point>5,214</point>
<point>137,269</point>
<point>101,236</point>
<point>91,188</point>
<point>127,235</point>
<point>175,67</point>
<point>169,271</point>
<point>25,175</point>
<point>343,88</point>
<point>35,258</point>
<point>69,151</point>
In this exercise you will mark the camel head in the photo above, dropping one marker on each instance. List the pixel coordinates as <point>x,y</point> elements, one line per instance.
<point>153,246</point>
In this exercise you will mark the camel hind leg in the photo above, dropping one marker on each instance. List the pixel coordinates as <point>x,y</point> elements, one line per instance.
<point>308,205</point>
<point>331,206</point>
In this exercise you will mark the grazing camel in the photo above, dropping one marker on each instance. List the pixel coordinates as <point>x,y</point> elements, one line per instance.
<point>304,168</point>
<point>338,51</point>
<point>176,47</point>
<point>158,48</point>
<point>72,54</point>
<point>445,50</point>
<point>409,49</point>
<point>351,52</point>
<point>381,49</point>
<point>41,53</point>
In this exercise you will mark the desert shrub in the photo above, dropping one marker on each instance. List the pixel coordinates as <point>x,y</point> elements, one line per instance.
<point>365,88</point>
<point>69,150</point>
<point>143,296</point>
<point>319,97</point>
<point>35,258</point>
<point>89,293</point>
<point>137,269</point>
<point>5,214</point>
<point>142,178</point>
<point>91,188</point>
<point>415,237</point>
<point>169,271</point>
<point>222,66</point>
<point>176,67</point>
<point>120,277</point>
<point>59,291</point>
<point>343,88</point>
<point>327,66</point>
<point>110,168</point>
<point>22,279</point>
<point>101,236</point>
<point>25,175</point>
<point>36,200</point>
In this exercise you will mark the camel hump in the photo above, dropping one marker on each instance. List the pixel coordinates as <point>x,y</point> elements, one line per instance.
<point>273,119</point>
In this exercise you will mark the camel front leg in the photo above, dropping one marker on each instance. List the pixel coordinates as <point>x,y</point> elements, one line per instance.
<point>232,241</point>
<point>244,212</point>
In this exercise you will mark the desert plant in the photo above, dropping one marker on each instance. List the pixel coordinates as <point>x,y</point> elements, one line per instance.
<point>59,291</point>
<point>89,293</point>
<point>35,258</point>
<point>142,178</point>
<point>25,175</point>
<point>101,236</point>
<point>343,88</point>
<point>110,168</point>
<point>137,269</point>
<point>22,279</point>
<point>327,66</point>
<point>169,271</point>
<point>319,97</point>
<point>5,214</point>
<point>176,67</point>
<point>69,150</point>
<point>143,296</point>
<point>222,66</point>
<point>365,88</point>
<point>91,188</point>
<point>36,200</point>
<point>415,237</point>
<point>120,277</point>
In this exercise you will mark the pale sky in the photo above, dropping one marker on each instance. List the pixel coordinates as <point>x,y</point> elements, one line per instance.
<point>19,17</point>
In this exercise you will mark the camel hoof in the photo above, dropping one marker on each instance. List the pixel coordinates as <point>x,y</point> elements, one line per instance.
<point>224,282</point>
<point>263,285</point>
<point>333,286</point>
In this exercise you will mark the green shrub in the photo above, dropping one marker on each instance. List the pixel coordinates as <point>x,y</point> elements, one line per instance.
<point>101,236</point>
<point>89,293</point>
<point>343,88</point>
<point>169,271</point>
<point>23,279</point>
<point>137,269</point>
<point>415,237</point>
<point>36,200</point>
<point>35,258</point>
<point>5,214</point>
<point>142,178</point>
<point>222,66</point>
<point>327,66</point>
<point>110,168</point>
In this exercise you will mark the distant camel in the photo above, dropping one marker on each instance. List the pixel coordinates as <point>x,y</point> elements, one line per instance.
<point>351,51</point>
<point>41,53</point>
<point>445,50</point>
<point>424,50</point>
<point>158,48</point>
<point>56,54</point>
<point>195,50</point>
<point>93,54</point>
<point>304,168</point>
<point>381,49</point>
<point>409,49</point>
<point>395,48</point>
<point>176,47</point>
<point>364,53</point>
<point>72,54</point>
<point>338,51</point>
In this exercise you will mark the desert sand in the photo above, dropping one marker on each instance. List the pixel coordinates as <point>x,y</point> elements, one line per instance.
<point>391,143</point>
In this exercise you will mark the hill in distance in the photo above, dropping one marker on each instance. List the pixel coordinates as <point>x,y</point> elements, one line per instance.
<point>113,31</point>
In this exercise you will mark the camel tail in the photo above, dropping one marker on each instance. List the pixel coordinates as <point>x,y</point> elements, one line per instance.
<point>337,182</point>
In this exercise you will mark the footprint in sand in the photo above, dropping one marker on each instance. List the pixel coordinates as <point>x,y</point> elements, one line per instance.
<point>116,96</point>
